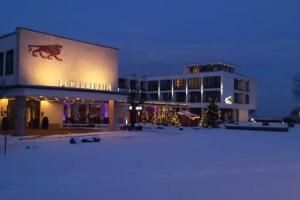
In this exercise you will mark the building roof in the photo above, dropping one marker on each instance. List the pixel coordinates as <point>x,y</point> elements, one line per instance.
<point>67,38</point>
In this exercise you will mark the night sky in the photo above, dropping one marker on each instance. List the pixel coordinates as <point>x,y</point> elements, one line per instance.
<point>159,37</point>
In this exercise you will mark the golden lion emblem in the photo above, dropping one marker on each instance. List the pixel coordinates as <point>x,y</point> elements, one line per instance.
<point>51,51</point>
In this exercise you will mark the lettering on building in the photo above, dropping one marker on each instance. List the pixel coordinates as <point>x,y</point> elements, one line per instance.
<point>84,85</point>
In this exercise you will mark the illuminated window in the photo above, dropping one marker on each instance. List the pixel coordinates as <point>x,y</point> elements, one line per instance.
<point>179,84</point>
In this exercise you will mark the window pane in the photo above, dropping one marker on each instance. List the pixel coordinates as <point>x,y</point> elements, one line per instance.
<point>166,96</point>
<point>152,86</point>
<point>9,62</point>
<point>180,96</point>
<point>208,96</point>
<point>194,83</point>
<point>238,98</point>
<point>212,82</point>
<point>165,84</point>
<point>195,97</point>
<point>179,84</point>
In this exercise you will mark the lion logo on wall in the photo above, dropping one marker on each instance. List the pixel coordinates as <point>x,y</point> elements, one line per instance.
<point>50,51</point>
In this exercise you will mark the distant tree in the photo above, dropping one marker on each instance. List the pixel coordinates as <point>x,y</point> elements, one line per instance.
<point>135,99</point>
<point>211,118</point>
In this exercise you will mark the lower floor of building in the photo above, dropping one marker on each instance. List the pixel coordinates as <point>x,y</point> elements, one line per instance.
<point>27,110</point>
<point>226,115</point>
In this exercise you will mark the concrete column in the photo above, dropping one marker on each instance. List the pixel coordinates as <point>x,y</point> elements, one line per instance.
<point>113,115</point>
<point>20,124</point>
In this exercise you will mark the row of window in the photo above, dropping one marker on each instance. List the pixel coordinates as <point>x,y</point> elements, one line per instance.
<point>178,84</point>
<point>9,62</point>
<point>241,85</point>
<point>210,68</point>
<point>193,97</point>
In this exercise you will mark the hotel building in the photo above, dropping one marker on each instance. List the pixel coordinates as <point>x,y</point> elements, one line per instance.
<point>65,80</point>
<point>194,89</point>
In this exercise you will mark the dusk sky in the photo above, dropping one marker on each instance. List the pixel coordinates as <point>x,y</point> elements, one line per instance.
<point>159,37</point>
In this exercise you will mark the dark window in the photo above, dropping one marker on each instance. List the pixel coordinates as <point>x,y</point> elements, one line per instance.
<point>165,84</point>
<point>9,62</point>
<point>212,82</point>
<point>238,98</point>
<point>132,84</point>
<point>122,83</point>
<point>194,83</point>
<point>143,85</point>
<point>152,96</point>
<point>239,84</point>
<point>152,86</point>
<point>179,84</point>
<point>247,85</point>
<point>166,96</point>
<point>180,96</point>
<point>247,99</point>
<point>209,96</point>
<point>1,63</point>
<point>195,97</point>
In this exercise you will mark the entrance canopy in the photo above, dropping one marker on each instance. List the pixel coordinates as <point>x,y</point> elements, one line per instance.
<point>62,93</point>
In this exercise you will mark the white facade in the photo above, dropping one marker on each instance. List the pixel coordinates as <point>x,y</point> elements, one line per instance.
<point>240,110</point>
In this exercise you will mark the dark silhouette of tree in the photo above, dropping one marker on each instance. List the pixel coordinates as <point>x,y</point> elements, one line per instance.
<point>135,99</point>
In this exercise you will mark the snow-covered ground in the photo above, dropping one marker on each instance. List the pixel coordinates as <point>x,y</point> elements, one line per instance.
<point>155,164</point>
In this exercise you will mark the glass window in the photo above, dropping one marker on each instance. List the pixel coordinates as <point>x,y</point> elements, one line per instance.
<point>152,96</point>
<point>212,82</point>
<point>209,96</point>
<point>179,84</point>
<point>132,84</point>
<point>239,84</point>
<point>238,98</point>
<point>194,83</point>
<point>1,63</point>
<point>122,83</point>
<point>143,85</point>
<point>166,96</point>
<point>180,96</point>
<point>165,84</point>
<point>195,97</point>
<point>152,86</point>
<point>9,62</point>
<point>247,99</point>
<point>247,85</point>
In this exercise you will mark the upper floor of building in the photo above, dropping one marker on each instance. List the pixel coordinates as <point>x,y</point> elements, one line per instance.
<point>196,87</point>
<point>29,57</point>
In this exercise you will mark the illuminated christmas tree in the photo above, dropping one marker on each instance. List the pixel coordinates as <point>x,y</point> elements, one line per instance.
<point>211,118</point>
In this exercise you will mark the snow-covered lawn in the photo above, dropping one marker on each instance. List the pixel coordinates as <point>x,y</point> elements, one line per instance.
<point>155,164</point>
